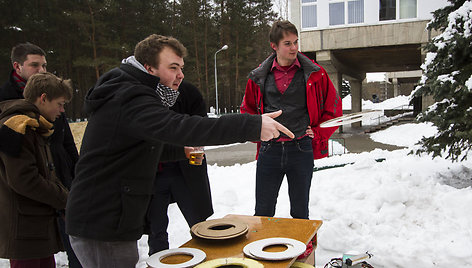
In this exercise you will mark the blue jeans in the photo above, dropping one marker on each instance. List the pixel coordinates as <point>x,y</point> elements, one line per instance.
<point>276,159</point>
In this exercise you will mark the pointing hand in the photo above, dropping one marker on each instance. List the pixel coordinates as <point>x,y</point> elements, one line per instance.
<point>271,129</point>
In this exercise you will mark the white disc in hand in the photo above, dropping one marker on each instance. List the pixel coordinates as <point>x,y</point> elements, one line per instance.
<point>349,118</point>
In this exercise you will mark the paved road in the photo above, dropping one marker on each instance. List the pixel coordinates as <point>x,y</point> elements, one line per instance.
<point>227,156</point>
<point>355,141</point>
<point>360,142</point>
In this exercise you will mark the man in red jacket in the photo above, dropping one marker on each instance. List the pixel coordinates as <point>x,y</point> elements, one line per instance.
<point>289,81</point>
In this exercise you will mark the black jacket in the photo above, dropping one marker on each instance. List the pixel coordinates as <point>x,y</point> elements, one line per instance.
<point>190,101</point>
<point>61,141</point>
<point>121,148</point>
<point>10,90</point>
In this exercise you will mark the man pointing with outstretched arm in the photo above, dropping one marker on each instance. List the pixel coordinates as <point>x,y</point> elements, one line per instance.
<point>271,129</point>
<point>129,124</point>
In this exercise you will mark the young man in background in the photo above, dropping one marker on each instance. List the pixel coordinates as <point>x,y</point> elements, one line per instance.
<point>30,192</point>
<point>28,59</point>
<point>289,81</point>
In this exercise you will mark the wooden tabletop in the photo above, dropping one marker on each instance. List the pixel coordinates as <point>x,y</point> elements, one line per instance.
<point>259,228</point>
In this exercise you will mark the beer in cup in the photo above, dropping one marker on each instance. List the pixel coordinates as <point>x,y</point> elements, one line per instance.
<point>196,156</point>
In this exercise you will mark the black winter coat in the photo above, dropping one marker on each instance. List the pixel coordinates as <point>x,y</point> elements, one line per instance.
<point>10,90</point>
<point>63,149</point>
<point>127,129</point>
<point>190,101</point>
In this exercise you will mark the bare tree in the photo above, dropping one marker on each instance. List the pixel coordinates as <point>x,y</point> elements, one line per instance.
<point>281,7</point>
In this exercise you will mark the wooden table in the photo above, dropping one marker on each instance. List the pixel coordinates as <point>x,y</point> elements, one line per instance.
<point>259,228</point>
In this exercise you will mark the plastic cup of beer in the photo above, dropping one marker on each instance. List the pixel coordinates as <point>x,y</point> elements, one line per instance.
<point>196,156</point>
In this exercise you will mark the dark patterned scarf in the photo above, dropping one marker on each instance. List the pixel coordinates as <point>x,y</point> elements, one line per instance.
<point>19,80</point>
<point>168,95</point>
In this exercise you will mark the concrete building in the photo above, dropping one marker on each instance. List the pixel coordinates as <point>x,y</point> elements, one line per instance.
<point>350,38</point>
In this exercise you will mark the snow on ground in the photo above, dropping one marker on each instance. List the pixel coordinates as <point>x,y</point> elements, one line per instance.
<point>400,209</point>
<point>404,135</point>
<point>375,77</point>
<point>377,118</point>
<point>407,210</point>
<point>392,103</point>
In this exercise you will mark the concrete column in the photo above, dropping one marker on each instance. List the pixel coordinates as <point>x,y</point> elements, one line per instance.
<point>396,87</point>
<point>337,79</point>
<point>356,99</point>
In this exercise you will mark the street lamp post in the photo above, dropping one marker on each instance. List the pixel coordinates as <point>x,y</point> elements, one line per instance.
<point>216,77</point>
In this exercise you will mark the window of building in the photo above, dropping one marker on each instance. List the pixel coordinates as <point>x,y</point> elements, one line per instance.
<point>355,11</point>
<point>336,13</point>
<point>387,10</point>
<point>309,16</point>
<point>341,12</point>
<point>407,9</point>
<point>339,16</point>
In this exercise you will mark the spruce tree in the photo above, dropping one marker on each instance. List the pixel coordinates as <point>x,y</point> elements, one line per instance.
<point>345,88</point>
<point>447,78</point>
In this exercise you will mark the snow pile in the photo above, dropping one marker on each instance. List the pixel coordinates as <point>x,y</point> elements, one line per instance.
<point>399,103</point>
<point>392,103</point>
<point>376,77</point>
<point>401,209</point>
<point>404,135</point>
<point>468,83</point>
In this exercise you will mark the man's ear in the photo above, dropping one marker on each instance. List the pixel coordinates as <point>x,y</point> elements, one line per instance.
<point>43,97</point>
<point>273,46</point>
<point>16,66</point>
<point>39,100</point>
<point>148,68</point>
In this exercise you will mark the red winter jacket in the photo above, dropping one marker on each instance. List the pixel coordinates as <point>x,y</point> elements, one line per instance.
<point>323,102</point>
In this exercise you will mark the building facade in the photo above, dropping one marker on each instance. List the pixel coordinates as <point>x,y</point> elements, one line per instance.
<point>350,38</point>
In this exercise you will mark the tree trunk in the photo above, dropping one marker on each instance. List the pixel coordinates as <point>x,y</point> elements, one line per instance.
<point>195,45</point>
<point>205,53</point>
<point>92,39</point>
<point>236,72</point>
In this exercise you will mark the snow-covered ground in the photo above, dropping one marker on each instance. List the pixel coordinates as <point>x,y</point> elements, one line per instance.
<point>407,210</point>
<point>403,209</point>
<point>392,103</point>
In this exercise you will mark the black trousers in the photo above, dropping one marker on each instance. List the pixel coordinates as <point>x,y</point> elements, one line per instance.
<point>169,186</point>
<point>71,257</point>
